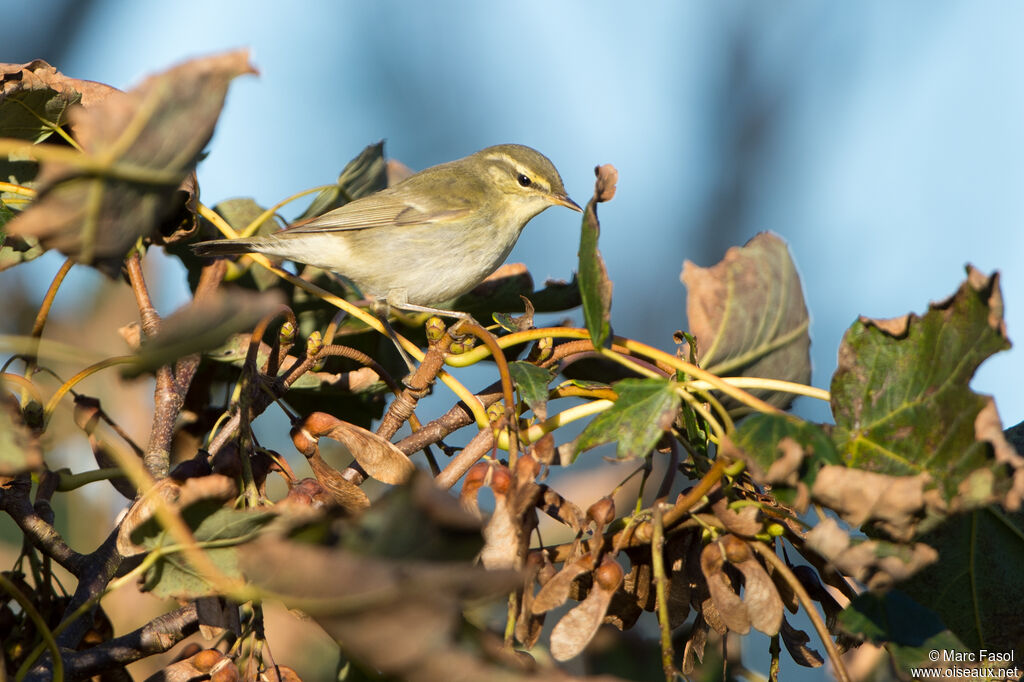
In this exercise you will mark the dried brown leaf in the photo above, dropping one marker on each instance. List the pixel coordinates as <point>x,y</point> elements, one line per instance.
<point>695,644</point>
<point>140,147</point>
<point>896,504</point>
<point>607,179</point>
<point>877,564</point>
<point>989,427</point>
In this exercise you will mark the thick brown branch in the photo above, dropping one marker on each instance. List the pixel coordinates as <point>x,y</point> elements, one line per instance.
<point>14,499</point>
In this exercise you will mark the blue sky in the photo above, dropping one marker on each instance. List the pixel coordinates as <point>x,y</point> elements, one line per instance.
<point>882,140</point>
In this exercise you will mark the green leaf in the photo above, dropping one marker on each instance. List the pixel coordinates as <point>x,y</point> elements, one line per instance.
<point>644,410</point>
<point>901,397</point>
<point>910,631</point>
<point>595,287</point>
<point>758,437</point>
<point>365,174</point>
<point>976,586</point>
<point>172,575</point>
<point>532,382</point>
<point>749,316</point>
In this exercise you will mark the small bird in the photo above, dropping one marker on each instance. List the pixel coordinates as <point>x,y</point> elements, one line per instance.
<point>425,241</point>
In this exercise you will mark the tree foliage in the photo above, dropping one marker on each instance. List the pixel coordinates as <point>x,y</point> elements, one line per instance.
<point>703,522</point>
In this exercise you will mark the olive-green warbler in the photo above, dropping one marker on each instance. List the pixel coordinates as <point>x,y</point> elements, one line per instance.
<point>428,239</point>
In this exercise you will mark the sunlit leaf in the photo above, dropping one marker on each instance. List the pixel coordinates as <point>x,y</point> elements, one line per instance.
<point>643,412</point>
<point>749,317</point>
<point>901,396</point>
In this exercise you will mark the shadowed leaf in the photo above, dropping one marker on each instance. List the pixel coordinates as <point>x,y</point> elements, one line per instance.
<point>909,630</point>
<point>749,316</point>
<point>976,585</point>
<point>532,383</point>
<point>365,174</point>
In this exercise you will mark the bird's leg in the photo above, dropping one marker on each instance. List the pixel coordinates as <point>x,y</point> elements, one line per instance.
<point>380,310</point>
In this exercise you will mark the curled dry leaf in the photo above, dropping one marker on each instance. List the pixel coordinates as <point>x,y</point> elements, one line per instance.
<point>894,503</point>
<point>873,562</point>
<point>555,592</point>
<point>695,644</point>
<point>607,179</point>
<point>175,494</point>
<point>989,427</point>
<point>575,630</point>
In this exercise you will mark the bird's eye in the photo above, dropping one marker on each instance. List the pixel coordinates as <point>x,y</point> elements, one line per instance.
<point>523,180</point>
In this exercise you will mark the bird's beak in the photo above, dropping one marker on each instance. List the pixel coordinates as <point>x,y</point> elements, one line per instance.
<point>564,200</point>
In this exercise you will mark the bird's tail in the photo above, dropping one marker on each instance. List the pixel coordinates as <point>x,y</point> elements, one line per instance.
<point>224,247</point>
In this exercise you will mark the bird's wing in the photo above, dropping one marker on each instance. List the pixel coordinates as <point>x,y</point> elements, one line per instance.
<point>382,209</point>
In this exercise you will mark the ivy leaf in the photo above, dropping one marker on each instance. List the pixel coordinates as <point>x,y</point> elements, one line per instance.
<point>901,397</point>
<point>363,175</point>
<point>976,586</point>
<point>595,287</point>
<point>749,316</point>
<point>644,410</point>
